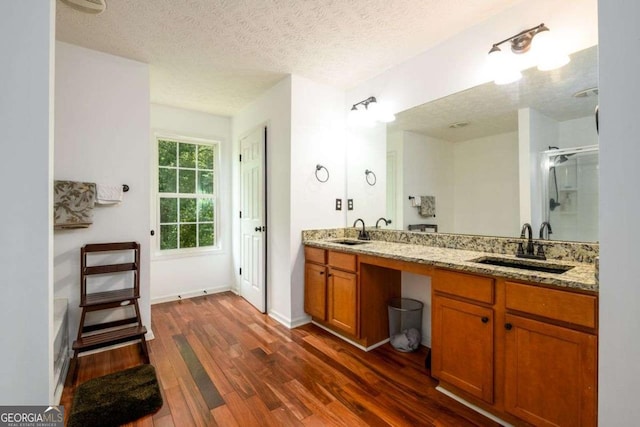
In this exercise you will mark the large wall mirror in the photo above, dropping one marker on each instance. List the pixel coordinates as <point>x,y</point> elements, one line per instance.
<point>496,156</point>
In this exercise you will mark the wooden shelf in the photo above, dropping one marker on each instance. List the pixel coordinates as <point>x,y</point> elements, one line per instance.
<point>106,247</point>
<point>108,297</point>
<point>112,268</point>
<point>103,339</point>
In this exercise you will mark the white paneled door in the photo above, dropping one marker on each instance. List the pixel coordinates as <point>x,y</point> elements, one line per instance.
<point>253,218</point>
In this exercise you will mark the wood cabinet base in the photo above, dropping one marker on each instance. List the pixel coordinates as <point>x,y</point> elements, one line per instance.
<point>526,353</point>
<point>349,297</point>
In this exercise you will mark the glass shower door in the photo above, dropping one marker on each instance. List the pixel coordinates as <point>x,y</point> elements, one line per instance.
<point>571,199</point>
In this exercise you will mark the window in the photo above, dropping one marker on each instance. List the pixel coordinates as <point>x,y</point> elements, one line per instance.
<point>186,194</point>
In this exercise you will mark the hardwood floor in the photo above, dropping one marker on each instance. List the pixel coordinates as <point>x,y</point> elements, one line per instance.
<point>222,363</point>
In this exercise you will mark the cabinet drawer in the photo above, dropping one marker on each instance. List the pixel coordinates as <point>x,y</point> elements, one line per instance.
<point>342,261</point>
<point>316,255</point>
<point>468,286</point>
<point>554,304</point>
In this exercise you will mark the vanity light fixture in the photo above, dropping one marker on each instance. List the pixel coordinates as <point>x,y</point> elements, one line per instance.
<point>369,111</point>
<point>538,41</point>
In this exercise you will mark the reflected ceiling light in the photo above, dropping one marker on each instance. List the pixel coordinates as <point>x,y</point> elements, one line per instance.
<point>458,125</point>
<point>87,6</point>
<point>538,40</point>
<point>586,93</point>
<point>368,112</point>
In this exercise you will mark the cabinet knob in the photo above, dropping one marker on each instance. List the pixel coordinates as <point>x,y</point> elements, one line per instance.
<point>322,272</point>
<point>485,319</point>
<point>508,326</point>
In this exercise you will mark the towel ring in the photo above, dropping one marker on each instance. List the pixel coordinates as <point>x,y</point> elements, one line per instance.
<point>370,182</point>
<point>319,167</point>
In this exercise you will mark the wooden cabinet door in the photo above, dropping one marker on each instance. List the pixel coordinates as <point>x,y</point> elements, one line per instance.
<point>342,301</point>
<point>315,290</point>
<point>462,346</point>
<point>550,373</point>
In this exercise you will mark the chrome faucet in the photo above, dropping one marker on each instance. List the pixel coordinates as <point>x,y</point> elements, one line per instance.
<point>362,234</point>
<point>386,221</point>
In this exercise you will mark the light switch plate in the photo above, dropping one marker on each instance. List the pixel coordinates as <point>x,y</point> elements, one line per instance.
<point>338,204</point>
<point>350,204</point>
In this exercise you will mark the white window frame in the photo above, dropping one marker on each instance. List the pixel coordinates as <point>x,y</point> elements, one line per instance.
<point>156,195</point>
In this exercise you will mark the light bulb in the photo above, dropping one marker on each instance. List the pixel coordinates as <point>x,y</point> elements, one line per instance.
<point>548,52</point>
<point>503,68</point>
<point>380,112</point>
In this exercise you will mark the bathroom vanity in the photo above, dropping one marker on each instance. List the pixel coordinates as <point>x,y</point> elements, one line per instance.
<point>518,343</point>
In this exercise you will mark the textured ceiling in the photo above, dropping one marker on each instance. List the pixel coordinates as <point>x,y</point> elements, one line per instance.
<point>219,55</point>
<point>491,109</point>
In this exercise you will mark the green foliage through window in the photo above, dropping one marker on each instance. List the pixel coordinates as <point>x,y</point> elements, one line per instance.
<point>186,194</point>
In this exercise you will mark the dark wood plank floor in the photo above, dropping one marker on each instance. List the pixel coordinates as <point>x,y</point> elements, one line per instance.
<point>220,362</point>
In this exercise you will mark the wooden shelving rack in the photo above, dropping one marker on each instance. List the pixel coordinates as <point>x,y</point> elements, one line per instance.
<point>95,336</point>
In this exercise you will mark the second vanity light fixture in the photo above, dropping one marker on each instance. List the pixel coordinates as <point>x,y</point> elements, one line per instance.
<point>536,40</point>
<point>369,111</point>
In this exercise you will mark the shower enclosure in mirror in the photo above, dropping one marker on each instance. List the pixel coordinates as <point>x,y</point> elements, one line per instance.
<point>570,202</point>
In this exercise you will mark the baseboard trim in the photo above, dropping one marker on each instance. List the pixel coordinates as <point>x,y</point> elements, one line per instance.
<point>474,407</point>
<point>191,294</point>
<point>353,343</point>
<point>300,321</point>
<point>280,318</point>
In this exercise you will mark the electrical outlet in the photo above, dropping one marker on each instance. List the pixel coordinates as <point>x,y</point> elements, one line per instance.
<point>338,204</point>
<point>350,204</point>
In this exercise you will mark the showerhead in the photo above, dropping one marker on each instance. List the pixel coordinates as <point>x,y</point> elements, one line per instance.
<point>557,160</point>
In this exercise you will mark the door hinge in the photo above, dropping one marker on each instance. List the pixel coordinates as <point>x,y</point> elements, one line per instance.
<point>240,157</point>
<point>240,214</point>
<point>241,271</point>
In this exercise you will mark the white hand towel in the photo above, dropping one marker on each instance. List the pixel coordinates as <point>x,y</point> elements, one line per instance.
<point>108,194</point>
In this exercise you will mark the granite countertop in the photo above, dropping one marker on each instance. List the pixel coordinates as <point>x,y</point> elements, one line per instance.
<point>581,276</point>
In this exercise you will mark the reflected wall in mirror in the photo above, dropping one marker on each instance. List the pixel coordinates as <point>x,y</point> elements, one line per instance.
<point>479,153</point>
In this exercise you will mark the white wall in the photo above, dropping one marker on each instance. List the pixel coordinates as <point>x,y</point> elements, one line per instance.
<point>619,347</point>
<point>394,149</point>
<point>317,136</point>
<point>210,271</point>
<point>486,196</point>
<point>536,132</point>
<point>26,118</point>
<point>272,109</point>
<point>577,132</point>
<point>102,135</point>
<point>418,287</point>
<point>427,169</point>
<point>366,149</point>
